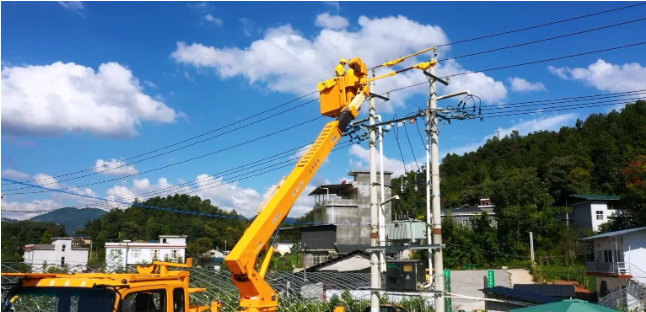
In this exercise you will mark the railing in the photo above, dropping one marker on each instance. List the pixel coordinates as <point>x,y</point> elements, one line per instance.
<point>337,202</point>
<point>608,267</point>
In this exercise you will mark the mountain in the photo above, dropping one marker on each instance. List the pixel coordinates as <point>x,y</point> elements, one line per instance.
<point>72,218</point>
<point>9,220</point>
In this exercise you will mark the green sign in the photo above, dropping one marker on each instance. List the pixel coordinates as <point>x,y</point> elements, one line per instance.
<point>490,279</point>
<point>447,288</point>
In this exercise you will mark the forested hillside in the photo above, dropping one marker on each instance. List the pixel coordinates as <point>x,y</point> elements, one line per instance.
<point>529,179</point>
<point>139,223</point>
<point>15,235</point>
<point>72,218</point>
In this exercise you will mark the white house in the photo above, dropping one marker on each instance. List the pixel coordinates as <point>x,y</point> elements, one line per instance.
<point>168,248</point>
<point>61,252</point>
<point>619,259</point>
<point>591,211</point>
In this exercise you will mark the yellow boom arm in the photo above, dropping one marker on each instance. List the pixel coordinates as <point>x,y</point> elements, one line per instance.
<point>255,293</point>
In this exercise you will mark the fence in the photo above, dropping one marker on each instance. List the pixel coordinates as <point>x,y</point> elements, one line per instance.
<point>631,298</point>
<point>298,292</point>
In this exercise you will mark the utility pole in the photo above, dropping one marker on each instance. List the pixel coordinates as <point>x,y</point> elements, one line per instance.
<point>375,282</point>
<point>531,246</point>
<point>435,184</point>
<point>428,184</point>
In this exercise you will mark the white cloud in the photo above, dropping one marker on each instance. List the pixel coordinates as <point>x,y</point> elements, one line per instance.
<point>522,85</point>
<point>46,181</point>
<point>525,127</point>
<point>26,210</point>
<point>65,97</point>
<point>362,161</point>
<point>606,76</point>
<point>13,174</point>
<point>214,20</point>
<point>326,20</point>
<point>199,7</point>
<point>477,83</point>
<point>79,199</point>
<point>247,26</point>
<point>75,6</point>
<point>114,167</point>
<point>286,61</point>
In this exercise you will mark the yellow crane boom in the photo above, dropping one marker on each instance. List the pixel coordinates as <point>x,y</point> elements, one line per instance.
<point>341,98</point>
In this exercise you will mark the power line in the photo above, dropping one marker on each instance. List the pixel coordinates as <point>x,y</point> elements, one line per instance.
<point>291,162</point>
<point>550,59</point>
<point>562,108</point>
<point>543,40</point>
<point>542,25</point>
<point>191,138</point>
<point>198,187</point>
<point>178,163</point>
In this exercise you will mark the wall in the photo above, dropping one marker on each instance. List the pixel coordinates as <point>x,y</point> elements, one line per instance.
<point>603,207</point>
<point>613,284</point>
<point>581,215</point>
<point>74,257</point>
<point>634,245</point>
<point>355,263</point>
<point>134,253</point>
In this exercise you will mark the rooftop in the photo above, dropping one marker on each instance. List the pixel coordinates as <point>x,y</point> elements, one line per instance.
<point>356,172</point>
<point>172,236</point>
<point>520,295</point>
<point>615,233</point>
<point>552,290</point>
<point>596,197</point>
<point>332,189</point>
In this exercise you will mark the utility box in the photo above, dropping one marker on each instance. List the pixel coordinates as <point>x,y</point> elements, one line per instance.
<point>405,274</point>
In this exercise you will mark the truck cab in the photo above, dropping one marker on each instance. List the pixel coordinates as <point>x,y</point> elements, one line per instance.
<point>153,288</point>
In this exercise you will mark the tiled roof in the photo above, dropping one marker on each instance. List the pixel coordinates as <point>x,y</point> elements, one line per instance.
<point>552,290</point>
<point>596,197</point>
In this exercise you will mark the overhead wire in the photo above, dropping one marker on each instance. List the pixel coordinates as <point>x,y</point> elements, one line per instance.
<point>447,44</point>
<point>173,164</point>
<point>543,40</point>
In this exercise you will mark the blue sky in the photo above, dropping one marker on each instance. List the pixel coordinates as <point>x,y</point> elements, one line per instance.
<point>89,83</point>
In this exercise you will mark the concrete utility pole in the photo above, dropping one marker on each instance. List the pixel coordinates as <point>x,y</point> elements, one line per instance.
<point>531,245</point>
<point>375,282</point>
<point>435,184</point>
<point>382,198</point>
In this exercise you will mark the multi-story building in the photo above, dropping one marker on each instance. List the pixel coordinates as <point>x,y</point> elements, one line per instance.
<point>347,205</point>
<point>619,259</point>
<point>463,215</point>
<point>168,248</point>
<point>591,211</point>
<point>62,252</point>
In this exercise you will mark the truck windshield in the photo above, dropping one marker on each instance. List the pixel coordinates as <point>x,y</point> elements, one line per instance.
<point>54,299</point>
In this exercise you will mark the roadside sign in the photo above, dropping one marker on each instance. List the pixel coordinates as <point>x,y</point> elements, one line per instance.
<point>447,288</point>
<point>490,279</point>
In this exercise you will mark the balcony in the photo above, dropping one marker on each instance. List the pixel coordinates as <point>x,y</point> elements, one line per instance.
<point>612,268</point>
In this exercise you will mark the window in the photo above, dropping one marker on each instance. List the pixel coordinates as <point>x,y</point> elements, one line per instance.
<point>174,254</point>
<point>62,261</point>
<point>155,254</point>
<point>145,301</point>
<point>178,300</point>
<point>464,222</point>
<point>607,256</point>
<point>164,240</point>
<point>599,215</point>
<point>135,253</point>
<point>63,248</point>
<point>318,259</point>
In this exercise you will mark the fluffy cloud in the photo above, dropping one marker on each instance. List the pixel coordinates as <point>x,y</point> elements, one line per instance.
<point>65,97</point>
<point>522,85</point>
<point>326,20</point>
<point>247,26</point>
<point>287,61</point>
<point>525,127</point>
<point>114,167</point>
<point>477,83</point>
<point>13,174</point>
<point>46,181</point>
<point>362,161</point>
<point>606,76</point>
